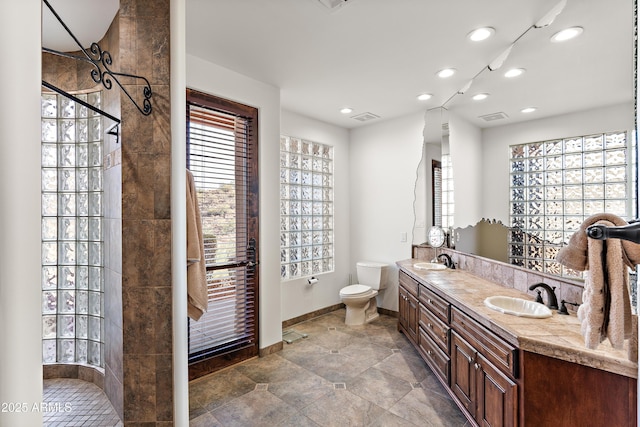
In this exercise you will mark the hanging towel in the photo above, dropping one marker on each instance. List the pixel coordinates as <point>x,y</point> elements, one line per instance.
<point>197,298</point>
<point>606,308</point>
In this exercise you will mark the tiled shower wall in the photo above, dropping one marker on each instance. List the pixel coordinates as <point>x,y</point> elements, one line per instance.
<point>113,355</point>
<point>137,222</point>
<point>146,217</point>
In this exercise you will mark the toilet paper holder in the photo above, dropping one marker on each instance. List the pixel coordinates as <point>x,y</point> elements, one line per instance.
<point>312,280</point>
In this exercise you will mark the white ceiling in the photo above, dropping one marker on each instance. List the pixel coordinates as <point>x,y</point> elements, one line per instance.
<point>88,20</point>
<point>376,56</point>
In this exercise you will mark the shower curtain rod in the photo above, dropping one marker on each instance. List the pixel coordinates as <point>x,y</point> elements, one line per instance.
<point>101,73</point>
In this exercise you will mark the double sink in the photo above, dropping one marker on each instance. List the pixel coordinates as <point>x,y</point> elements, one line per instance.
<point>507,305</point>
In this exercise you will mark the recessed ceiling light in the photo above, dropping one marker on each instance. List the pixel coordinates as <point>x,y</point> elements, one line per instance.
<point>566,34</point>
<point>346,110</point>
<point>480,96</point>
<point>528,110</point>
<point>480,34</point>
<point>447,72</point>
<point>514,72</point>
<point>424,96</point>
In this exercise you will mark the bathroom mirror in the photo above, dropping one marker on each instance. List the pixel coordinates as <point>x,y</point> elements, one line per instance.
<point>436,236</point>
<point>592,73</point>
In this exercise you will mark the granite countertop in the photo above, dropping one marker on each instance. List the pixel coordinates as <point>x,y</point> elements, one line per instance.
<point>557,336</point>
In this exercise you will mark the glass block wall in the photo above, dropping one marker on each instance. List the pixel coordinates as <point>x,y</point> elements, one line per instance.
<point>448,206</point>
<point>72,241</point>
<point>306,208</point>
<point>556,184</point>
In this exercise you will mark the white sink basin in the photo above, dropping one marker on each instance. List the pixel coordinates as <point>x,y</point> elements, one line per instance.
<point>518,307</point>
<point>429,266</point>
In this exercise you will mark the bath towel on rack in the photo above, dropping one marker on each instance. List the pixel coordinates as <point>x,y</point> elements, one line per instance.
<point>606,308</point>
<point>197,298</point>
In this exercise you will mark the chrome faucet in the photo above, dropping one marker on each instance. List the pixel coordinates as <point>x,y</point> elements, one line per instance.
<point>448,262</point>
<point>552,301</point>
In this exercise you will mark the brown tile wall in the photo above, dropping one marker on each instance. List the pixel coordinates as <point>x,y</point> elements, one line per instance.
<point>146,217</point>
<point>137,224</point>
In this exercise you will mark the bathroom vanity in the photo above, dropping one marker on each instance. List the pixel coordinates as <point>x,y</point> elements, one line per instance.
<point>505,370</point>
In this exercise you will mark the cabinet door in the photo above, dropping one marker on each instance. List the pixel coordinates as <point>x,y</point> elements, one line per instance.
<point>496,396</point>
<point>402,308</point>
<point>463,372</point>
<point>412,317</point>
<point>408,314</point>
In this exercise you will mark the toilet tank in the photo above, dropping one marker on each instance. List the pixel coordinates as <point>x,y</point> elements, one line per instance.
<point>372,274</point>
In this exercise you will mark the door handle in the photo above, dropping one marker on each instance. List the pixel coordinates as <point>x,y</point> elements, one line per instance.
<point>251,253</point>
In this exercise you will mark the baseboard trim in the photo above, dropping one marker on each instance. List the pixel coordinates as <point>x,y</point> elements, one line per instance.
<point>388,312</point>
<point>288,323</point>
<point>274,348</point>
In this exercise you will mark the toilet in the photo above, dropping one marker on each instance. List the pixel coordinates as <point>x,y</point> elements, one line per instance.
<point>360,299</point>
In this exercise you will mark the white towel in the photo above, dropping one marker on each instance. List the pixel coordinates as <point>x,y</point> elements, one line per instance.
<point>197,298</point>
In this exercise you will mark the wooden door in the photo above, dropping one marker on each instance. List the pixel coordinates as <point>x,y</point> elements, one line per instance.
<point>222,154</point>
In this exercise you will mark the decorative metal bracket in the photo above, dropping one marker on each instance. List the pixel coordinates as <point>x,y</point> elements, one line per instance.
<point>101,62</point>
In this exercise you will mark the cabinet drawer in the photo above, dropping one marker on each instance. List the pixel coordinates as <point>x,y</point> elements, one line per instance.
<point>438,305</point>
<point>435,357</point>
<point>498,352</point>
<point>435,328</point>
<point>409,284</point>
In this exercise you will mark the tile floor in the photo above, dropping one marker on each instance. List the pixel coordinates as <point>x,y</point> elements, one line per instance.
<point>338,376</point>
<point>75,403</point>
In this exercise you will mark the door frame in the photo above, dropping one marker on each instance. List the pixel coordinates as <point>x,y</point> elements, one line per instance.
<point>206,366</point>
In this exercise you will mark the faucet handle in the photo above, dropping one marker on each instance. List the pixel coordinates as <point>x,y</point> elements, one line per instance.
<point>539,297</point>
<point>563,308</point>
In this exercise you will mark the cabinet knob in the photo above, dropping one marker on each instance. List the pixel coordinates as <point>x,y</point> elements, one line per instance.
<point>429,301</point>
<point>430,325</point>
<point>469,359</point>
<point>477,366</point>
<point>429,352</point>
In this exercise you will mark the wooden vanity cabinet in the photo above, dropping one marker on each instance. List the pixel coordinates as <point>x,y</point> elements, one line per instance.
<point>433,332</point>
<point>490,396</point>
<point>561,393</point>
<point>495,383</point>
<point>408,307</point>
<point>477,367</point>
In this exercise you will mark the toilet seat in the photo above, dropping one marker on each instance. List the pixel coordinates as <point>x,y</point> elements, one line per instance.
<point>355,290</point>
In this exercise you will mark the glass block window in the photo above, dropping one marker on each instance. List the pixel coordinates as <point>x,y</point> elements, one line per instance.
<point>556,184</point>
<point>447,192</point>
<point>306,208</point>
<point>72,242</point>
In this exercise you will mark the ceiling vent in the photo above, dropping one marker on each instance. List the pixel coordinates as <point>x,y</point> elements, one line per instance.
<point>365,117</point>
<point>493,117</point>
<point>333,5</point>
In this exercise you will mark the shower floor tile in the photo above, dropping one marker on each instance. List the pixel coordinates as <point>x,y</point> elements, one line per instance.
<point>75,403</point>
